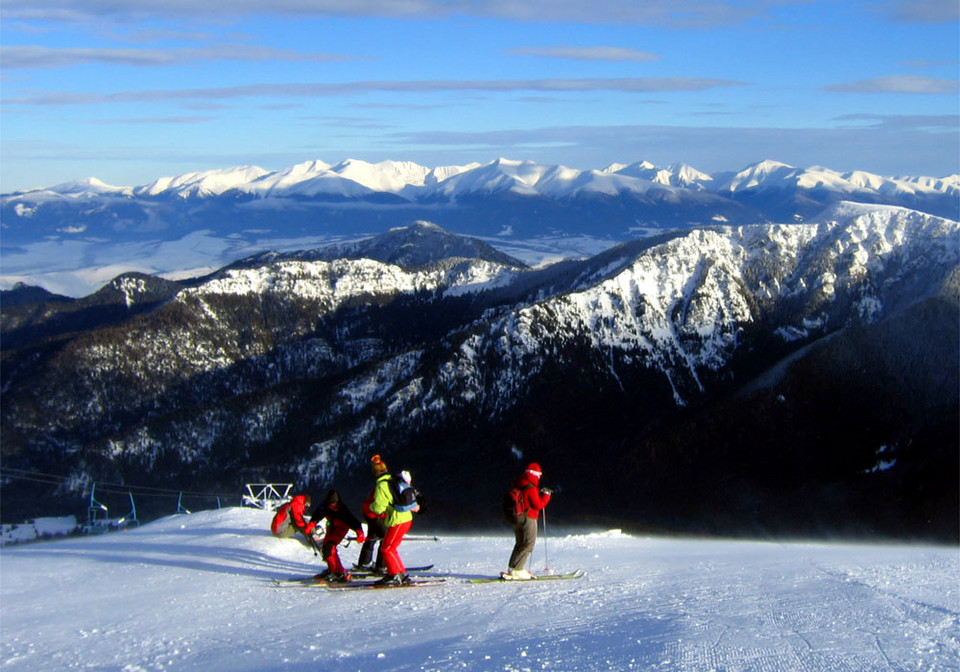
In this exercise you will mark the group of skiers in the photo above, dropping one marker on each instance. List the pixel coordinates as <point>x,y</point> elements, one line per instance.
<point>388,512</point>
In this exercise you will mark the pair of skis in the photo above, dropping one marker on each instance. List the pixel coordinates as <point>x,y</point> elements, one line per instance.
<point>319,581</point>
<point>377,585</point>
<point>504,578</point>
<point>315,582</point>
<point>366,571</point>
<point>423,583</point>
<point>354,585</point>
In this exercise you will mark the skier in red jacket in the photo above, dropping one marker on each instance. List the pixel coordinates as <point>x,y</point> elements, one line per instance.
<point>339,522</point>
<point>290,519</point>
<point>525,531</point>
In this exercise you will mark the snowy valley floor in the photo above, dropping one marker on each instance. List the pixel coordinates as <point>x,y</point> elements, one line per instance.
<point>194,593</point>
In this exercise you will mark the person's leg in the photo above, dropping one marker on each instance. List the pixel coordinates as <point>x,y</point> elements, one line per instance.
<point>390,556</point>
<point>286,530</point>
<point>517,546</point>
<point>375,532</point>
<point>390,548</point>
<point>526,540</point>
<point>330,555</point>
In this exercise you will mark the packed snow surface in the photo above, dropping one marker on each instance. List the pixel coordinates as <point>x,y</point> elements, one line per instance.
<point>194,592</point>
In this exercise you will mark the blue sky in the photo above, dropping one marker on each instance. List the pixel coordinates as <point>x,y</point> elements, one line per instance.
<point>131,90</point>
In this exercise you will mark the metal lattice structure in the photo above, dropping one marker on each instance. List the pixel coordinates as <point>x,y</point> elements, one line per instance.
<point>267,496</point>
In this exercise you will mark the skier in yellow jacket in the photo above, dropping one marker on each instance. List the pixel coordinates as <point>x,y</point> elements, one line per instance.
<point>398,523</point>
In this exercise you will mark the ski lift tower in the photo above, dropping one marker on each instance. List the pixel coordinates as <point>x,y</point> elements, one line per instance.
<point>267,496</point>
<point>98,515</point>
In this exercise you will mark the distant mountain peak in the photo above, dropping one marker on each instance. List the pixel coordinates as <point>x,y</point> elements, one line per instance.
<point>387,176</point>
<point>419,224</point>
<point>766,173</point>
<point>418,244</point>
<point>203,183</point>
<point>87,185</point>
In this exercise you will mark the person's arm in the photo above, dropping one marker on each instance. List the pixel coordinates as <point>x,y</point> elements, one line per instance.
<point>297,511</point>
<point>381,498</point>
<point>537,499</point>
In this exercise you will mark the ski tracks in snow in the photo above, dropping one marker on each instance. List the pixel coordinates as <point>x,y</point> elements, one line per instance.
<point>787,613</point>
<point>702,607</point>
<point>180,594</point>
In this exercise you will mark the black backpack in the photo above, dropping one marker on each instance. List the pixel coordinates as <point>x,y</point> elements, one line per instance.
<point>514,504</point>
<point>404,494</point>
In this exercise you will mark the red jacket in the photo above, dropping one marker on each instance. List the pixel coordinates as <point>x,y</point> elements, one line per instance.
<point>295,508</point>
<point>532,498</point>
<point>367,513</point>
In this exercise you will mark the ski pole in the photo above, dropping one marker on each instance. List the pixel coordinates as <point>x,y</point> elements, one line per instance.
<point>546,558</point>
<point>316,549</point>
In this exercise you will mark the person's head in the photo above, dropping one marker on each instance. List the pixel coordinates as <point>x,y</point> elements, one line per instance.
<point>378,465</point>
<point>405,475</point>
<point>534,472</point>
<point>332,500</point>
<point>307,501</point>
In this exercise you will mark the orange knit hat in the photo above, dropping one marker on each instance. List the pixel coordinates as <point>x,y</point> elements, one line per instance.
<point>379,466</point>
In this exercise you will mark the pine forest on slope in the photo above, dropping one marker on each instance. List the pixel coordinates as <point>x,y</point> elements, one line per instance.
<point>772,378</point>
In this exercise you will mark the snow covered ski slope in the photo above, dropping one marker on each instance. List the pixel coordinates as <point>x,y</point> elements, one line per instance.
<point>195,593</point>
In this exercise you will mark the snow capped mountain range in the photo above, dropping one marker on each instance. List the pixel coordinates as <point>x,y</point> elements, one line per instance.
<point>356,179</point>
<point>682,307</point>
<point>773,175</point>
<point>72,237</point>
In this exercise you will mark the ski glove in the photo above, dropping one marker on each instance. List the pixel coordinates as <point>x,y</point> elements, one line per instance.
<point>546,491</point>
<point>361,537</point>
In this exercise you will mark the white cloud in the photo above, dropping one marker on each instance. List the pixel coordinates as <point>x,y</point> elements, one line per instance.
<point>924,11</point>
<point>312,89</point>
<point>45,57</point>
<point>898,84</point>
<point>155,120</point>
<point>906,122</point>
<point>587,53</point>
<point>690,13</point>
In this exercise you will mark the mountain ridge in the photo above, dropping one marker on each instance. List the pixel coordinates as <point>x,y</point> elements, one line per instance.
<point>204,220</point>
<point>398,176</point>
<point>294,369</point>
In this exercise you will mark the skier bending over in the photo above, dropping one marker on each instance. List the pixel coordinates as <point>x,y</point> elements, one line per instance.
<point>339,522</point>
<point>289,519</point>
<point>525,530</point>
